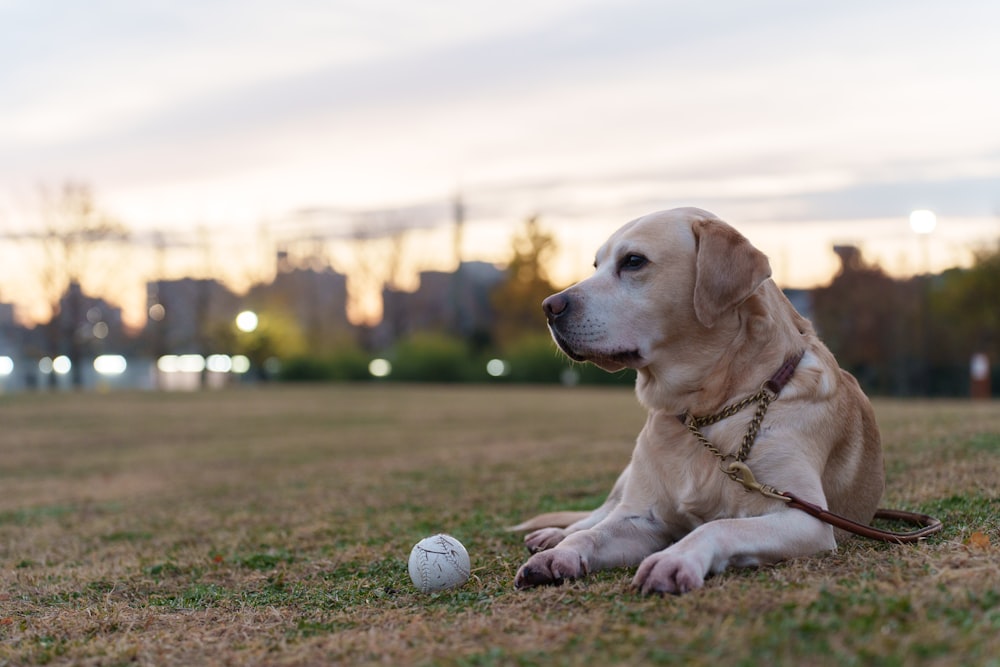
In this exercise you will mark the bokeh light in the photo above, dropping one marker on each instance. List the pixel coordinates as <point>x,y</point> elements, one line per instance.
<point>380,368</point>
<point>247,321</point>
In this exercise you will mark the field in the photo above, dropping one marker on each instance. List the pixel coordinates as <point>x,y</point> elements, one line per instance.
<point>272,526</point>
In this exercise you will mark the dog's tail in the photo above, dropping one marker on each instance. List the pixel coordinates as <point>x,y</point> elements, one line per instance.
<point>549,520</point>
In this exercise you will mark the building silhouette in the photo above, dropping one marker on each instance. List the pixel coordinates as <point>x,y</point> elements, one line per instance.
<point>184,314</point>
<point>315,299</point>
<point>456,303</point>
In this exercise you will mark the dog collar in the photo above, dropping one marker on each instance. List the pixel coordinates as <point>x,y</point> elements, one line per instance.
<point>767,393</point>
<point>773,385</point>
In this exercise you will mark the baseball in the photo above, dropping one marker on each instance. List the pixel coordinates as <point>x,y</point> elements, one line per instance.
<point>438,563</point>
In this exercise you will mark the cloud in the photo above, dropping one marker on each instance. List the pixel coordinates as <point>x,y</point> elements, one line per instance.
<point>783,106</point>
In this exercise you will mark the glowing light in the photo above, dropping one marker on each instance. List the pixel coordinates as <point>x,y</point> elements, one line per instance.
<point>184,363</point>
<point>379,368</point>
<point>241,364</point>
<point>190,363</point>
<point>6,366</point>
<point>101,330</point>
<point>167,363</point>
<point>157,312</point>
<point>497,368</point>
<point>923,221</point>
<point>219,363</point>
<point>247,321</point>
<point>110,364</point>
<point>45,365</point>
<point>62,365</point>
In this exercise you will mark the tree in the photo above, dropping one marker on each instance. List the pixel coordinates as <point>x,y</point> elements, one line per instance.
<point>75,241</point>
<point>277,336</point>
<point>868,321</point>
<point>963,306</point>
<point>517,301</point>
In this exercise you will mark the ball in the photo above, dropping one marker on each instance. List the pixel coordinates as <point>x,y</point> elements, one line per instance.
<point>438,563</point>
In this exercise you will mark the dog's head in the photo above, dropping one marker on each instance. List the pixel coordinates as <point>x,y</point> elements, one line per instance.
<point>660,280</point>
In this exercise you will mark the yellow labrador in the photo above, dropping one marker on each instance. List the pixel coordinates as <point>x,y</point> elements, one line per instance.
<point>688,302</point>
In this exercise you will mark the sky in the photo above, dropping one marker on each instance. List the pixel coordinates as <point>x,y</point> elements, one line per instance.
<point>803,124</point>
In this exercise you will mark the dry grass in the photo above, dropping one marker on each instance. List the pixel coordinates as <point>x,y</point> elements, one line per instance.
<point>272,526</point>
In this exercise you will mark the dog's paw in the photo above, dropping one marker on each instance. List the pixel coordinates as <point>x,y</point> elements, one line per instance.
<point>666,572</point>
<point>550,567</point>
<point>543,539</point>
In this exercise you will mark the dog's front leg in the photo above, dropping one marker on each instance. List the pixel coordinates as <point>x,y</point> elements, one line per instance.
<point>546,538</point>
<point>622,539</point>
<point>715,545</point>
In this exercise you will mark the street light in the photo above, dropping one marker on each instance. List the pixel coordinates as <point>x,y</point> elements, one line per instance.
<point>247,321</point>
<point>110,364</point>
<point>923,222</point>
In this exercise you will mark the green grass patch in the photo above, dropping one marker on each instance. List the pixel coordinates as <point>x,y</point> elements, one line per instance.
<point>273,526</point>
<point>34,515</point>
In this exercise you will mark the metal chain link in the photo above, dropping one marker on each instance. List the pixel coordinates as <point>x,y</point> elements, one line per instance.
<point>763,399</point>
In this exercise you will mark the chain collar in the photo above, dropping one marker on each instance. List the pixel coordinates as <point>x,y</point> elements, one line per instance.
<point>733,466</point>
<point>767,393</point>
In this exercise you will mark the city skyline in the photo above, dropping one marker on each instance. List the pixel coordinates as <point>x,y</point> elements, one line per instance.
<point>803,125</point>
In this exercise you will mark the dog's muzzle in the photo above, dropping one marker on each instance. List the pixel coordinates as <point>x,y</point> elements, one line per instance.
<point>556,307</point>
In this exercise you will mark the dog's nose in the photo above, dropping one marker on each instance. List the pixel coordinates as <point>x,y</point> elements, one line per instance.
<point>555,306</point>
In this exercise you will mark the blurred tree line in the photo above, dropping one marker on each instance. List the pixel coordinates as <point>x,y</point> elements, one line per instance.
<point>76,241</point>
<point>902,337</point>
<point>907,337</point>
<point>516,340</point>
<point>915,336</point>
<point>520,332</point>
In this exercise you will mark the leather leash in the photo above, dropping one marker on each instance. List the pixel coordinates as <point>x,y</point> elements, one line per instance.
<point>928,525</point>
<point>737,470</point>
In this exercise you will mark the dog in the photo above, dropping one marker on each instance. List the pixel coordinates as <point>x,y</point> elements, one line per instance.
<point>688,302</point>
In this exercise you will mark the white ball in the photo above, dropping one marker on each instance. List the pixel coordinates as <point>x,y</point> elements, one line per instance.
<point>438,563</point>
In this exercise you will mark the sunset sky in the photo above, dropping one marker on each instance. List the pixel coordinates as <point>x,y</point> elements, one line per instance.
<point>804,124</point>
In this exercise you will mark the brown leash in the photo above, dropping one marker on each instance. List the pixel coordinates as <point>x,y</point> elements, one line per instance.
<point>737,470</point>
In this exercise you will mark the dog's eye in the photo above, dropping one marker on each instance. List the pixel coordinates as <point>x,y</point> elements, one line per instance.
<point>632,262</point>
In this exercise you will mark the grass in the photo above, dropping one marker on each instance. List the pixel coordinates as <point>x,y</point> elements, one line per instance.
<point>272,526</point>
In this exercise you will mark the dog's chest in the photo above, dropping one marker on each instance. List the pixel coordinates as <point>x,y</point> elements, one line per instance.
<point>684,480</point>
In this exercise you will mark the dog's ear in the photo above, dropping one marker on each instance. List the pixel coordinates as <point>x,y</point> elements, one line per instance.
<point>728,269</point>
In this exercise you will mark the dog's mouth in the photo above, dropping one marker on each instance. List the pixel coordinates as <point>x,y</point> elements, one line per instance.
<point>564,346</point>
<point>606,360</point>
<point>626,358</point>
<point>617,361</point>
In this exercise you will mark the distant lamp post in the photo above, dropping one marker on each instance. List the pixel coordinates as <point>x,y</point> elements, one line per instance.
<point>923,223</point>
<point>247,321</point>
